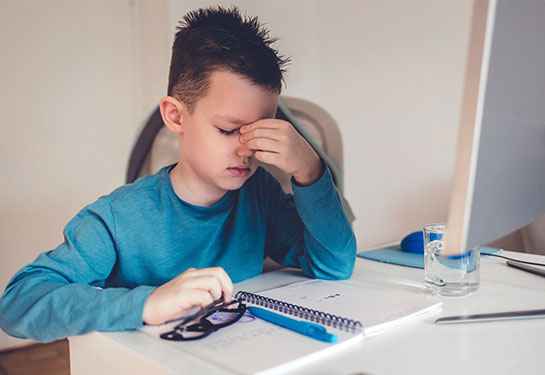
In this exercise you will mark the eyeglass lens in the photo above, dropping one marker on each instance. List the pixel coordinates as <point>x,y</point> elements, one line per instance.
<point>209,323</point>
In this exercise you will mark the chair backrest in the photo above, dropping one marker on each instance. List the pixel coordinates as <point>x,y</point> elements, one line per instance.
<point>157,147</point>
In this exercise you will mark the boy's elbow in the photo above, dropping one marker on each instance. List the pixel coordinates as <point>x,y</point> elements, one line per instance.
<point>23,331</point>
<point>342,267</point>
<point>16,319</point>
<point>347,261</point>
<point>341,272</point>
<point>336,273</point>
<point>7,328</point>
<point>346,273</point>
<point>5,323</point>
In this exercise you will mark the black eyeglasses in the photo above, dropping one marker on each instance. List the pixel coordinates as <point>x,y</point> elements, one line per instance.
<point>213,317</point>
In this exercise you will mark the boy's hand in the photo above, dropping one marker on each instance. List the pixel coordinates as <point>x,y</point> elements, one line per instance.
<point>276,142</point>
<point>194,287</point>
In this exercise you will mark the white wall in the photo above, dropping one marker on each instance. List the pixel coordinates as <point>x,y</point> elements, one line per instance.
<point>77,78</point>
<point>391,74</point>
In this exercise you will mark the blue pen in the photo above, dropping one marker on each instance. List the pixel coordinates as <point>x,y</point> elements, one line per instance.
<point>308,329</point>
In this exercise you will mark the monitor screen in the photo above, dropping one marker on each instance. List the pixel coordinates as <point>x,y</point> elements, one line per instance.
<point>499,178</point>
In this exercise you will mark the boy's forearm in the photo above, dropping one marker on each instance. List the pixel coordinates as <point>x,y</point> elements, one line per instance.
<point>329,243</point>
<point>49,310</point>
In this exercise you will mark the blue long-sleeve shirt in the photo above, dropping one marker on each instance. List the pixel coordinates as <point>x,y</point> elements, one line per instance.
<point>119,248</point>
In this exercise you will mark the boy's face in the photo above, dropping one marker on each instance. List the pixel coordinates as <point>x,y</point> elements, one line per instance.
<point>213,159</point>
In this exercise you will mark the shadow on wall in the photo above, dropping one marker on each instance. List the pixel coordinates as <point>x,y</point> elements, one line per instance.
<point>528,239</point>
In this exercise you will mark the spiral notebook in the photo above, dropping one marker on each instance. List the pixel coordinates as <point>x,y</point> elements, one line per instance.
<point>351,312</point>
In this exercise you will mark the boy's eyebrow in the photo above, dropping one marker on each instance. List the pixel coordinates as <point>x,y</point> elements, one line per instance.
<point>231,119</point>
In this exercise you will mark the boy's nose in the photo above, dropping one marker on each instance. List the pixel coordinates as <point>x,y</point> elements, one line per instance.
<point>243,151</point>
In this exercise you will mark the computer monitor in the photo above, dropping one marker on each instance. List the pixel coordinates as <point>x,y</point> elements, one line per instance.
<point>499,176</point>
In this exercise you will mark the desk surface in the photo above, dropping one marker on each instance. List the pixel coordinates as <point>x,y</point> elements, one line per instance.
<point>422,347</point>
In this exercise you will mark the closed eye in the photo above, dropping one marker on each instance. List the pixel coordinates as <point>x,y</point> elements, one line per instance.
<point>227,132</point>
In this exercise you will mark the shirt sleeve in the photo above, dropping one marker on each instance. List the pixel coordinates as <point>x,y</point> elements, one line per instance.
<point>310,230</point>
<point>60,294</point>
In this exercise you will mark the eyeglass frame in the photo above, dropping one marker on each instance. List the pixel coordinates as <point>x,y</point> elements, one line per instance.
<point>204,325</point>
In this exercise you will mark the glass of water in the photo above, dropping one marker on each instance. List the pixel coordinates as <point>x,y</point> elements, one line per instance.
<point>448,274</point>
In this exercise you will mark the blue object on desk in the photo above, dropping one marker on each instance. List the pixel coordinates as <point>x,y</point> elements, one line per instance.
<point>395,255</point>
<point>315,331</point>
<point>413,243</point>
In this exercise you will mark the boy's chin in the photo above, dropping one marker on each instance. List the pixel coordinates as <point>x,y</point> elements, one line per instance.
<point>230,187</point>
<point>235,183</point>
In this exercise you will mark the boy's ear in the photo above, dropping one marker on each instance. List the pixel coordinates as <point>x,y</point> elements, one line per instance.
<point>172,112</point>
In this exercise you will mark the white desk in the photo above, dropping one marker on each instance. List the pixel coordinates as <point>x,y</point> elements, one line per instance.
<point>510,347</point>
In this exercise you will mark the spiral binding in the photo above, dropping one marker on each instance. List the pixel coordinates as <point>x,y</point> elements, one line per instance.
<point>302,312</point>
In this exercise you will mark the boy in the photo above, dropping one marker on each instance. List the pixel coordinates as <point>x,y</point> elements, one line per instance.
<point>152,250</point>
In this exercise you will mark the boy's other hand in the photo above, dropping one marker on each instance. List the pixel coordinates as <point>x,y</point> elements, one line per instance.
<point>194,287</point>
<point>277,142</point>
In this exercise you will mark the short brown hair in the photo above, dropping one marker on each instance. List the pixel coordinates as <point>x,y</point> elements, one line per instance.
<point>217,38</point>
